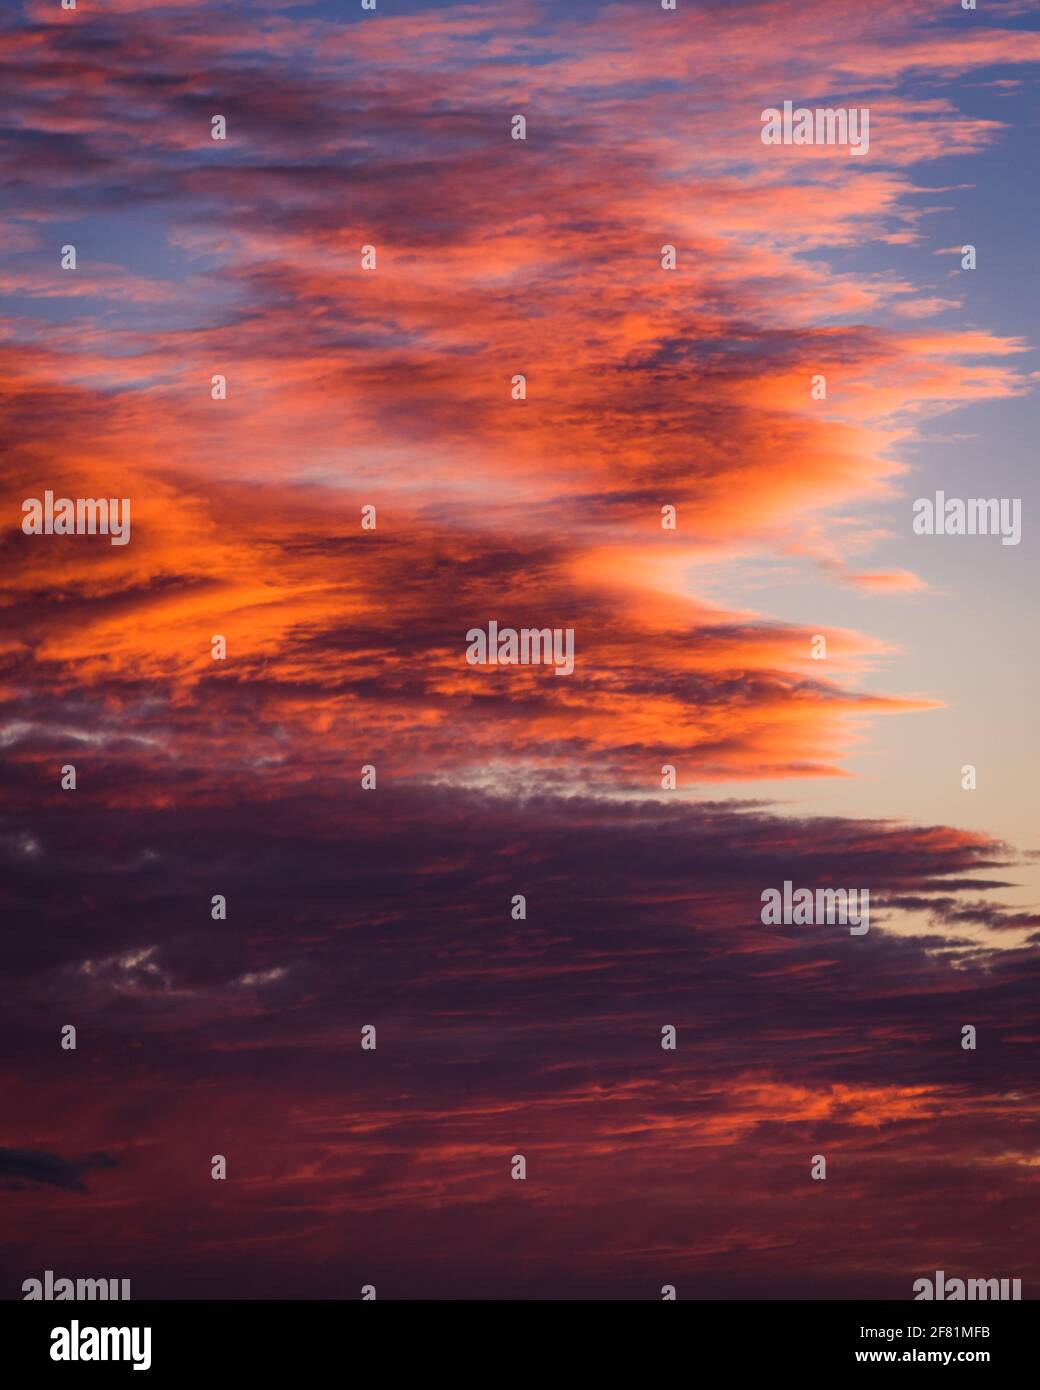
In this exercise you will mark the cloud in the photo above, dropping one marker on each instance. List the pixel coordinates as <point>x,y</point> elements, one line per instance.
<point>49,1170</point>
<point>392,908</point>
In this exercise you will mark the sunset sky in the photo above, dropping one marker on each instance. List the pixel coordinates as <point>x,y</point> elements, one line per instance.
<point>391,388</point>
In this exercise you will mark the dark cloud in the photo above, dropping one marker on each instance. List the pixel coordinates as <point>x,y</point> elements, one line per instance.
<point>49,1170</point>
<point>392,908</point>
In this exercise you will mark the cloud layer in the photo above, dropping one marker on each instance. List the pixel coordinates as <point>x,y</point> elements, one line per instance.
<point>392,388</point>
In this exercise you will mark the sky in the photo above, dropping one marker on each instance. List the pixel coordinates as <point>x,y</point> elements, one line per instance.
<point>391,907</point>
